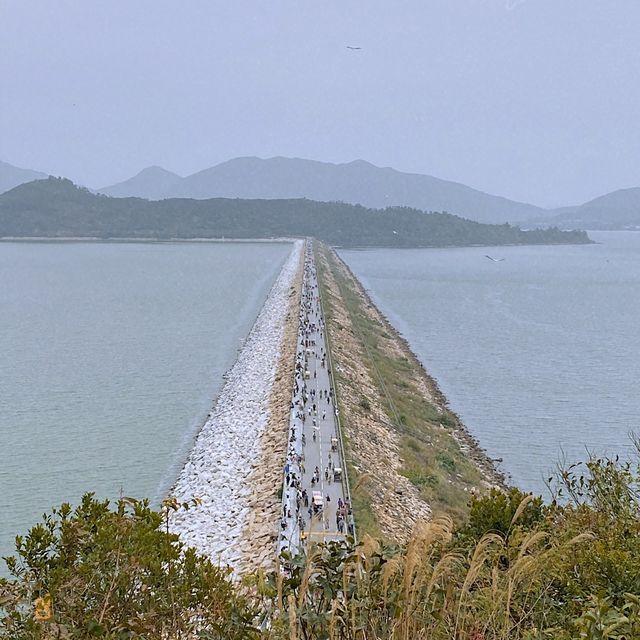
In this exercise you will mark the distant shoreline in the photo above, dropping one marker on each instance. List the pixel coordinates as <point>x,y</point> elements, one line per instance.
<point>93,239</point>
<point>467,246</point>
<point>284,240</point>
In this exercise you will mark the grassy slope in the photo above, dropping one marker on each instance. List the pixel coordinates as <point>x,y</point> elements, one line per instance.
<point>436,453</point>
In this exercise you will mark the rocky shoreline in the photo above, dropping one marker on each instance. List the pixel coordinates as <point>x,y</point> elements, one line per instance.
<point>228,452</point>
<point>259,537</point>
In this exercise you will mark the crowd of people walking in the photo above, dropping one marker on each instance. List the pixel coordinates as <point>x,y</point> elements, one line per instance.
<point>313,491</point>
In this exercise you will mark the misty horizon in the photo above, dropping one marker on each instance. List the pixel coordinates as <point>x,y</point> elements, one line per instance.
<point>533,101</point>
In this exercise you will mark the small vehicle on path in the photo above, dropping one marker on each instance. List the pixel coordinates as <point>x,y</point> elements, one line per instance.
<point>316,501</point>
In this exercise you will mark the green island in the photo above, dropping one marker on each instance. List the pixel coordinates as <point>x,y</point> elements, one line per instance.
<point>56,208</point>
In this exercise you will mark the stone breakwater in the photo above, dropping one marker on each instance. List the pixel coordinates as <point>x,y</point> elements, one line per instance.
<point>226,451</point>
<point>260,535</point>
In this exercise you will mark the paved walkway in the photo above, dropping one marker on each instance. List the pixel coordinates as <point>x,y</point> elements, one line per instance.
<point>314,505</point>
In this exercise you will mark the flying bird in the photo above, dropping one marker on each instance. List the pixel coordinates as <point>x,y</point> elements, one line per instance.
<point>354,48</point>
<point>494,259</point>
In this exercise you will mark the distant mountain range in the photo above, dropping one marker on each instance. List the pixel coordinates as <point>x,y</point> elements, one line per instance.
<point>152,183</point>
<point>616,210</point>
<point>11,176</point>
<point>56,208</point>
<point>358,182</point>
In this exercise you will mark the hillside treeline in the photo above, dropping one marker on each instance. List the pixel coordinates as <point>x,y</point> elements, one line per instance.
<point>57,208</point>
<point>518,569</point>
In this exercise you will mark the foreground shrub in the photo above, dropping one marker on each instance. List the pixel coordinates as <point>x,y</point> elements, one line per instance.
<point>518,570</point>
<point>500,512</point>
<point>97,572</point>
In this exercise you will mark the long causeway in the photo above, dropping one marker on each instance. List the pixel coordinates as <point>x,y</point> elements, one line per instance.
<point>316,505</point>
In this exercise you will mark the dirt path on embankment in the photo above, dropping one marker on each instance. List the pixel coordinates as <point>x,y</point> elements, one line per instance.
<point>410,457</point>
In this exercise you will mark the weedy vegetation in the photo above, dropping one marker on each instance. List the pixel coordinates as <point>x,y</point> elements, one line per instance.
<point>518,569</point>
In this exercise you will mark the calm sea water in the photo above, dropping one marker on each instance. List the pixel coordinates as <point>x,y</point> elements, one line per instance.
<point>539,354</point>
<point>111,357</point>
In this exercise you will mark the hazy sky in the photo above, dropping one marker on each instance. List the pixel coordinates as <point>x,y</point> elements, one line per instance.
<point>537,100</point>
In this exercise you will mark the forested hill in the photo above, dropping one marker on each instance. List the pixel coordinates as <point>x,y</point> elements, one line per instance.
<point>55,208</point>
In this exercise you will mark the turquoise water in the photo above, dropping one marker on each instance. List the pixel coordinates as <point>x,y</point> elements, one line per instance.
<point>111,357</point>
<point>539,354</point>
